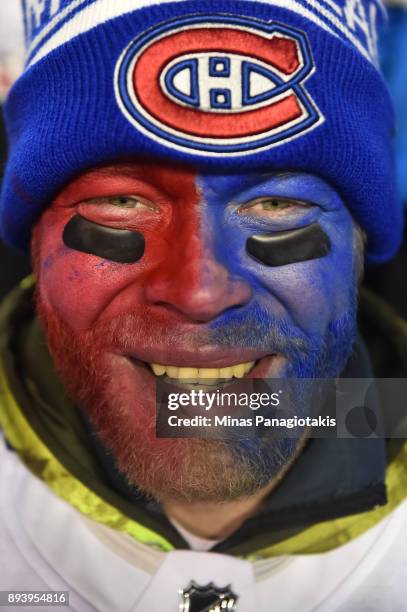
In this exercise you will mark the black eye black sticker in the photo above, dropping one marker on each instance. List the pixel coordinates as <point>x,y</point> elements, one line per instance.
<point>293,246</point>
<point>122,246</point>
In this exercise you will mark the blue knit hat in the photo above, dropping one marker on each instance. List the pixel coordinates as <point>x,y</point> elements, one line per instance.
<point>230,85</point>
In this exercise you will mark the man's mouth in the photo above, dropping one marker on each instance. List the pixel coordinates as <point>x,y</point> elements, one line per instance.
<point>209,371</point>
<point>238,370</point>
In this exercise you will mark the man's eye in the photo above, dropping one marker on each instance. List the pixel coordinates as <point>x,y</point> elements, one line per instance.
<point>123,202</point>
<point>267,207</point>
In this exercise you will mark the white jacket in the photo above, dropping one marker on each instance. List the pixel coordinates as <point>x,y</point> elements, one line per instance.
<point>45,544</point>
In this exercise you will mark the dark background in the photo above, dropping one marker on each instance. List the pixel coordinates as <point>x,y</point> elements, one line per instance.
<point>13,265</point>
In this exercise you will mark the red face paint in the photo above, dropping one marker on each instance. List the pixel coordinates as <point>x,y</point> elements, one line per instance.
<point>175,287</point>
<point>104,320</point>
<point>84,288</point>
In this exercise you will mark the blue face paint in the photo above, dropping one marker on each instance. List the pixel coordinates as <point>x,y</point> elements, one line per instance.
<point>304,311</point>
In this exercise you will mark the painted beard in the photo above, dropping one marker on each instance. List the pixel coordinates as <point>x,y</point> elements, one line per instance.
<point>118,396</point>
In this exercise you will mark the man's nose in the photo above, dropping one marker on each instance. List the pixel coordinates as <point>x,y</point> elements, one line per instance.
<point>198,286</point>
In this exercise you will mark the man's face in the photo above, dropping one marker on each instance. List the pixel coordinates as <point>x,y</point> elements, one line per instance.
<point>196,303</point>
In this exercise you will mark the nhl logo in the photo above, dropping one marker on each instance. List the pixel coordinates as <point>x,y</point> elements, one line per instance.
<point>209,598</point>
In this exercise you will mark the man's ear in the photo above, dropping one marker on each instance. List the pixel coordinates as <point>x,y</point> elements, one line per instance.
<point>360,246</point>
<point>35,249</point>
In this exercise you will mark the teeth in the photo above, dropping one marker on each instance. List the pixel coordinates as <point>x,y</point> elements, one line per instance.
<point>186,373</point>
<point>158,369</point>
<point>226,372</point>
<point>239,370</point>
<point>234,371</point>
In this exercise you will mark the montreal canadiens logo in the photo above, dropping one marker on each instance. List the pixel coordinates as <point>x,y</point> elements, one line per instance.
<point>218,84</point>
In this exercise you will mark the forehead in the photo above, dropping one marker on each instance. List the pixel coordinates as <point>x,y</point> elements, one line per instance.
<point>183,182</point>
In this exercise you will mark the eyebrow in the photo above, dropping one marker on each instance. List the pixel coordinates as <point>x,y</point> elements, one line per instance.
<point>253,180</point>
<point>125,170</point>
<point>261,181</point>
<point>132,172</point>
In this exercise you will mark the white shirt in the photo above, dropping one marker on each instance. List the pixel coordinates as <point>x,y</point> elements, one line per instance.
<point>194,542</point>
<point>45,544</point>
